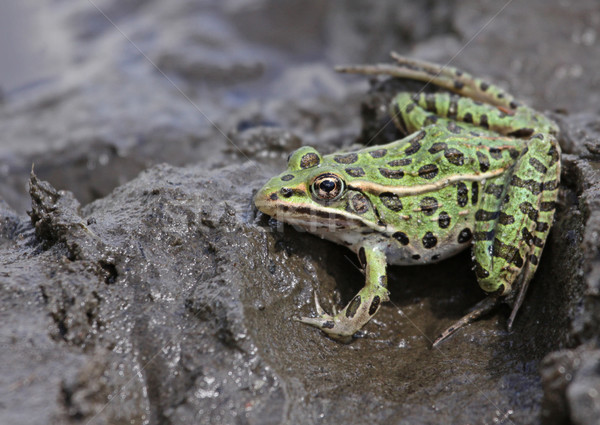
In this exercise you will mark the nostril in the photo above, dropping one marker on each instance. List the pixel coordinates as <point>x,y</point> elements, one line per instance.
<point>286,192</point>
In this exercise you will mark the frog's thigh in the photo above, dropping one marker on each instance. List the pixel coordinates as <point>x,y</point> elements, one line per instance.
<point>509,239</point>
<point>366,303</point>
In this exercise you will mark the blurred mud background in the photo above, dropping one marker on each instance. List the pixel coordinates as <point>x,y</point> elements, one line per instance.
<point>142,287</point>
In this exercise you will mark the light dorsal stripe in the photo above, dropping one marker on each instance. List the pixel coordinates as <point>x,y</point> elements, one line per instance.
<point>376,188</point>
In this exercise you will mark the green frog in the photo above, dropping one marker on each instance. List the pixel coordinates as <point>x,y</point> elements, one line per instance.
<point>477,169</point>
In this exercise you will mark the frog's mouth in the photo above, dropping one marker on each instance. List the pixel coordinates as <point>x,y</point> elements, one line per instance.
<point>313,219</point>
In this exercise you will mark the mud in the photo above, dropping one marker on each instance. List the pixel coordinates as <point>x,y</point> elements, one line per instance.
<point>138,283</point>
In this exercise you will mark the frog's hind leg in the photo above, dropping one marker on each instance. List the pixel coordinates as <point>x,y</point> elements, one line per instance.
<point>447,77</point>
<point>458,114</point>
<point>474,102</point>
<point>343,325</point>
<point>514,220</point>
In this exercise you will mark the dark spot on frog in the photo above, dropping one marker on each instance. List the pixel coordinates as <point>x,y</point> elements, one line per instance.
<point>416,257</point>
<point>360,203</point>
<point>474,193</point>
<point>429,240</point>
<point>483,215</point>
<point>378,153</point>
<point>462,194</point>
<point>428,205</point>
<point>465,235</point>
<point>480,272</point>
<point>374,305</point>
<point>553,152</point>
<point>500,95</point>
<point>537,165</point>
<point>547,206</point>
<point>443,220</point>
<point>437,147</point>
<point>362,257</point>
<point>513,104</point>
<point>435,257</point>
<point>533,259</point>
<point>428,171</point>
<point>273,196</point>
<point>430,101</point>
<point>458,85</point>
<point>401,237</point>
<point>391,201</point>
<point>346,159</point>
<point>510,253</point>
<point>496,153</point>
<point>484,161</point>
<point>355,171</point>
<point>353,307</point>
<point>400,162</point>
<point>484,236</point>
<point>483,121</point>
<point>391,174</point>
<point>309,160</point>
<point>287,177</point>
<point>383,281</point>
<point>505,219</point>
<point>414,143</point>
<point>468,118</point>
<point>521,132</point>
<point>484,86</point>
<point>454,156</point>
<point>431,119</point>
<point>328,325</point>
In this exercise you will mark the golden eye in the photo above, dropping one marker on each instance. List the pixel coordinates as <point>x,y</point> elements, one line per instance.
<point>327,187</point>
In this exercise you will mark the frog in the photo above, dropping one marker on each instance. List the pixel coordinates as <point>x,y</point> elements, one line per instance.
<point>477,169</point>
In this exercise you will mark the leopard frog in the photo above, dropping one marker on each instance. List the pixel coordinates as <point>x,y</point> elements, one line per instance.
<point>477,169</point>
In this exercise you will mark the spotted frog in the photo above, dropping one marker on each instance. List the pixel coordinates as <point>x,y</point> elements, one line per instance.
<point>477,169</point>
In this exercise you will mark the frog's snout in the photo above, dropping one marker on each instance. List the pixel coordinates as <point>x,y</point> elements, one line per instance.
<point>265,200</point>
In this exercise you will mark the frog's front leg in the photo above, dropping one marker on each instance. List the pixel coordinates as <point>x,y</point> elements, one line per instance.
<point>364,305</point>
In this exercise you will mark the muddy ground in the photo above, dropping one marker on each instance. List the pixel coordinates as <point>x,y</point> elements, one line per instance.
<point>138,283</point>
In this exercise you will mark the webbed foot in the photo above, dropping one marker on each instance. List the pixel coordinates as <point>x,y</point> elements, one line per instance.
<point>332,325</point>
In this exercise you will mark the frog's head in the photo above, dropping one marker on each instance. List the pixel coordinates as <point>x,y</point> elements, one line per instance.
<point>314,194</point>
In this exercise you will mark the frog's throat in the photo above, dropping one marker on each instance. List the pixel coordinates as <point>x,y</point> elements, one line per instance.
<point>376,188</point>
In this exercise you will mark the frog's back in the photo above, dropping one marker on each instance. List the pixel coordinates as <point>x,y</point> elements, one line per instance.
<point>423,190</point>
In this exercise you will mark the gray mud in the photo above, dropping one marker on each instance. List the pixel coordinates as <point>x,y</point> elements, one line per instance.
<point>138,283</point>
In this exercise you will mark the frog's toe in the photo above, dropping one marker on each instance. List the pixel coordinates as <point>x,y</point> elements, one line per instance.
<point>320,310</point>
<point>324,322</point>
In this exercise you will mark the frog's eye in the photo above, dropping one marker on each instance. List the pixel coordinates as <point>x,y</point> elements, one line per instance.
<point>327,187</point>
